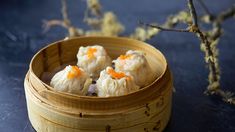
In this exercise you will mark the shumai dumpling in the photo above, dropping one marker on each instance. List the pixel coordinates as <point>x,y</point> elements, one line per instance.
<point>112,83</point>
<point>71,79</point>
<point>93,59</point>
<point>136,64</point>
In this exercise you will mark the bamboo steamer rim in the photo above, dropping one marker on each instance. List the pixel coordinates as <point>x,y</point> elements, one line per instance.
<point>48,87</point>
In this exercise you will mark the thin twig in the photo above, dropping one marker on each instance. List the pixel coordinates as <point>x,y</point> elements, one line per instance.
<point>192,12</point>
<point>227,96</point>
<point>163,28</point>
<point>217,21</point>
<point>64,13</point>
<point>226,14</point>
<point>205,9</point>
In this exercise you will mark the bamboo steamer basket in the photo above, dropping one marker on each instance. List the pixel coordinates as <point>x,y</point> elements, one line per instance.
<point>148,109</point>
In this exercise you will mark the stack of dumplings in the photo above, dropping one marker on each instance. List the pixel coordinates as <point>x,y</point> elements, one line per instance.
<point>94,74</point>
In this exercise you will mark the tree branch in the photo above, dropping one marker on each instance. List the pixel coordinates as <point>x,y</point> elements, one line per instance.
<point>208,51</point>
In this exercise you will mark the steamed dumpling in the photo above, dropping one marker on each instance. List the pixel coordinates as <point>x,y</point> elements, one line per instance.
<point>93,59</point>
<point>72,79</point>
<point>112,83</point>
<point>135,63</point>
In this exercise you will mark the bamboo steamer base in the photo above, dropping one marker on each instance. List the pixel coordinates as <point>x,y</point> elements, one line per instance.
<point>38,115</point>
<point>146,110</point>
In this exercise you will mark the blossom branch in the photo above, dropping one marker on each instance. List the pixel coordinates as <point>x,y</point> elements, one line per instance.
<point>211,54</point>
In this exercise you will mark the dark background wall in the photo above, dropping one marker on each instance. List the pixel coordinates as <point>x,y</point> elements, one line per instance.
<point>21,36</point>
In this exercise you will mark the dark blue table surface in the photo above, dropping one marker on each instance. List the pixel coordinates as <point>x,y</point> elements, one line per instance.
<point>21,37</point>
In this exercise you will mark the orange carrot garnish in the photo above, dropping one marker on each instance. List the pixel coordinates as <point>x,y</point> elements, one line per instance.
<point>90,52</point>
<point>75,72</point>
<point>124,57</point>
<point>117,75</point>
